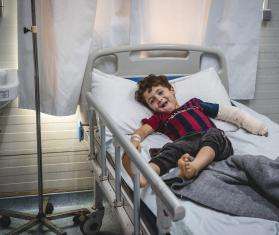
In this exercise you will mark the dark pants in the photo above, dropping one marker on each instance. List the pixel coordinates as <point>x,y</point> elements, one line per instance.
<point>171,152</point>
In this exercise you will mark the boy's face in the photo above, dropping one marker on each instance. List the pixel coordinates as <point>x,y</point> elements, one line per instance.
<point>161,99</point>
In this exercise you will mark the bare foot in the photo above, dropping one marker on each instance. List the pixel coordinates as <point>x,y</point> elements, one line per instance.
<point>143,181</point>
<point>187,168</point>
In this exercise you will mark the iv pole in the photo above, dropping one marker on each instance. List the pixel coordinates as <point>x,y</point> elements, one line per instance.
<point>41,218</point>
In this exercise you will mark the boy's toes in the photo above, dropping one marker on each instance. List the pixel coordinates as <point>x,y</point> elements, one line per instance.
<point>184,158</point>
<point>188,157</point>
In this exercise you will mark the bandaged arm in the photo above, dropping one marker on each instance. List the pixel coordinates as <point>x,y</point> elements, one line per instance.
<point>241,119</point>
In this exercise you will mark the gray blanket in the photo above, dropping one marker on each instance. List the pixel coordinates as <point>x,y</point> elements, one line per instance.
<point>241,185</point>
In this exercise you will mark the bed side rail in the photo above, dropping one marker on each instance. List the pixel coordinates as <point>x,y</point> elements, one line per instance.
<point>174,209</point>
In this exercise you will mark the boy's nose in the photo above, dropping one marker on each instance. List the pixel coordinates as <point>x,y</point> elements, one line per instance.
<point>159,98</point>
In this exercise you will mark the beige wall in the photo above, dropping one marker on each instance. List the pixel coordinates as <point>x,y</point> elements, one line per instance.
<point>65,159</point>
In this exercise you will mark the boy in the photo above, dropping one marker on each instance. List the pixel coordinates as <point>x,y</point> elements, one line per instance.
<point>189,126</point>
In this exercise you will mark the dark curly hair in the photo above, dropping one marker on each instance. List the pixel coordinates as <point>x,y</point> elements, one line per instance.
<point>146,85</point>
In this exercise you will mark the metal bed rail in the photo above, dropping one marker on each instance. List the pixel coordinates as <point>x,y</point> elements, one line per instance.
<point>126,65</point>
<point>168,206</point>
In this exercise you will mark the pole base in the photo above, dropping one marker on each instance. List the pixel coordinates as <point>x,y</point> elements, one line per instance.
<point>41,219</point>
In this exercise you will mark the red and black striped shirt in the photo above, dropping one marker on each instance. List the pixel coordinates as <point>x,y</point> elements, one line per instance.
<point>192,117</point>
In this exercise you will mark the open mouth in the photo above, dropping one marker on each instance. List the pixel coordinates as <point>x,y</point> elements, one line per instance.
<point>164,104</point>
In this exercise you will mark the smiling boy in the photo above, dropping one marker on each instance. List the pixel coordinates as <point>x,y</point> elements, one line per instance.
<point>197,141</point>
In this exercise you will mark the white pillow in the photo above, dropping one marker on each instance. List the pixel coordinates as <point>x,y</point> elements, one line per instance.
<point>117,96</point>
<point>207,86</point>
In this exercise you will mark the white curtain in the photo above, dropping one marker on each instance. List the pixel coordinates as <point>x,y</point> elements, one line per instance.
<point>67,28</point>
<point>234,28</point>
<point>64,36</point>
<point>168,21</point>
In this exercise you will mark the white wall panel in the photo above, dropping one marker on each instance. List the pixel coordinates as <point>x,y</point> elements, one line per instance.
<point>266,99</point>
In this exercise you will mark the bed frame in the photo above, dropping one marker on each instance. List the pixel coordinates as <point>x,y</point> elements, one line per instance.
<point>130,62</point>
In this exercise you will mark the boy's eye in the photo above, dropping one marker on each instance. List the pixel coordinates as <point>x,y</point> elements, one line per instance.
<point>160,93</point>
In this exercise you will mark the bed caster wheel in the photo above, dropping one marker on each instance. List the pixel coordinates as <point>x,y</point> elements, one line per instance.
<point>78,219</point>
<point>49,208</point>
<point>5,221</point>
<point>93,223</point>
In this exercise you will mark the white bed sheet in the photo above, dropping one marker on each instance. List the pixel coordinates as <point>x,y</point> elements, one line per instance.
<point>203,221</point>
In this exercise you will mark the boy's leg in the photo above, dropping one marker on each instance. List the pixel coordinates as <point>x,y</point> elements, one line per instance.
<point>126,162</point>
<point>143,180</point>
<point>171,152</point>
<point>189,169</point>
<point>214,145</point>
<point>127,165</point>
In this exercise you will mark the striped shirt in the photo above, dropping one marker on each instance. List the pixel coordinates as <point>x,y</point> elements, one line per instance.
<point>191,117</point>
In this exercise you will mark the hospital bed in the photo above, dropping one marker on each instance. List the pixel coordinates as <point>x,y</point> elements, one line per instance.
<point>155,209</point>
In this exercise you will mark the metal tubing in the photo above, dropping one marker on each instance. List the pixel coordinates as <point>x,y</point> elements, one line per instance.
<point>66,214</point>
<point>91,133</point>
<point>24,227</point>
<point>98,199</point>
<point>223,72</point>
<point>266,4</point>
<point>1,9</point>
<point>37,104</point>
<point>52,227</point>
<point>170,201</point>
<point>18,214</point>
<point>104,186</point>
<point>103,151</point>
<point>266,11</point>
<point>118,200</point>
<point>136,202</point>
<point>163,220</point>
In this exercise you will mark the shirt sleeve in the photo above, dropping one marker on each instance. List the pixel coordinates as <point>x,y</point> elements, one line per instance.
<point>210,109</point>
<point>154,121</point>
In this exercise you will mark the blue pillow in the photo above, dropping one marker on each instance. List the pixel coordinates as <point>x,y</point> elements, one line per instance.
<point>170,77</point>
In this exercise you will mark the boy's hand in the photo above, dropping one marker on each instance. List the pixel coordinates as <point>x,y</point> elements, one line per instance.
<point>263,131</point>
<point>136,143</point>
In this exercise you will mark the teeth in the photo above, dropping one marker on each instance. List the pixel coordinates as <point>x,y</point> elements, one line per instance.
<point>164,104</point>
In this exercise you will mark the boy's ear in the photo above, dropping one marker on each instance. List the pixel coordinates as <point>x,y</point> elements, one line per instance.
<point>172,89</point>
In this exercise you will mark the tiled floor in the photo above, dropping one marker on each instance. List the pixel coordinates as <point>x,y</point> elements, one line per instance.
<point>63,202</point>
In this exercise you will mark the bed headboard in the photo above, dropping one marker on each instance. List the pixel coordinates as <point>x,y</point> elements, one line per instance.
<point>161,59</point>
<point>156,59</point>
